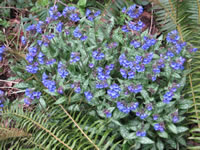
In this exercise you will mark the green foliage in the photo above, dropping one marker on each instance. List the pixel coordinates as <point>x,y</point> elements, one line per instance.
<point>127,104</point>
<point>55,129</point>
<point>185,16</point>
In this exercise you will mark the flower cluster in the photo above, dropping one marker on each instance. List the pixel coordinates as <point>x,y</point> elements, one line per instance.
<point>91,15</point>
<point>141,133</point>
<point>49,84</point>
<point>168,96</point>
<point>114,91</point>
<point>127,72</point>
<point>61,70</point>
<point>30,96</point>
<point>159,127</point>
<point>133,11</point>
<point>127,108</point>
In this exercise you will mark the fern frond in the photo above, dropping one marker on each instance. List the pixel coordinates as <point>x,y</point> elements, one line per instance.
<point>60,130</point>
<point>6,133</point>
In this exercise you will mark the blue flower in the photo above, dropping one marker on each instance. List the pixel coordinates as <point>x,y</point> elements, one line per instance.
<point>27,101</point>
<point>62,71</point>
<point>32,51</point>
<point>30,27</point>
<point>1,93</point>
<point>134,12</point>
<point>158,127</point>
<point>2,49</point>
<point>168,97</point>
<point>136,44</point>
<point>77,33</point>
<point>175,119</point>
<point>88,95</point>
<point>91,65</point>
<point>149,107</point>
<point>123,73</point>
<point>123,108</point>
<point>97,13</point>
<point>50,85</point>
<point>59,27</point>
<point>98,55</point>
<point>123,9</point>
<point>173,37</point>
<point>131,74</point>
<point>50,62</point>
<point>38,26</point>
<point>136,26</point>
<point>125,28</point>
<point>114,91</point>
<point>40,58</point>
<point>74,17</point>
<point>135,89</point>
<point>141,133</point>
<point>88,12</point>
<point>60,90</point>
<point>32,68</point>
<point>23,40</point>
<point>75,56</point>
<point>83,38</point>
<point>29,58</point>
<point>108,113</point>
<point>155,117</point>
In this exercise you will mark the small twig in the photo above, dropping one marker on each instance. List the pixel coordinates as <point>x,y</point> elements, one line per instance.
<point>9,88</point>
<point>151,20</point>
<point>22,91</point>
<point>8,81</point>
<point>62,3</point>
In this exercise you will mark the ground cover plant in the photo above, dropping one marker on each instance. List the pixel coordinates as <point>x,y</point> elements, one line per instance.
<point>122,78</point>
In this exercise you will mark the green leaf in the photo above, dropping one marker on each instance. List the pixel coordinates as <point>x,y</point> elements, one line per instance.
<point>60,100</point>
<point>21,85</point>
<point>160,145</point>
<point>172,128</point>
<point>42,2</point>
<point>145,95</point>
<point>145,140</point>
<point>126,134</point>
<point>42,102</point>
<point>181,129</point>
<point>163,134</point>
<point>118,114</point>
<point>82,3</point>
<point>182,141</point>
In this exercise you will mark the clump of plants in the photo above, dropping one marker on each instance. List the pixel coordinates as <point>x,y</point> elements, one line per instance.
<point>117,73</point>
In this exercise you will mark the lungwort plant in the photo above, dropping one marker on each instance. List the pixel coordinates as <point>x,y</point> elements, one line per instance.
<point>118,75</point>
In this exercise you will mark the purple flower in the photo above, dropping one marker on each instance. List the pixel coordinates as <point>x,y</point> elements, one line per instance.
<point>23,40</point>
<point>62,71</point>
<point>32,68</point>
<point>141,133</point>
<point>155,117</point>
<point>114,90</point>
<point>75,56</point>
<point>88,95</point>
<point>158,127</point>
<point>29,58</point>
<point>123,73</point>
<point>136,44</point>
<point>74,17</point>
<point>91,65</point>
<point>59,27</point>
<point>77,33</point>
<point>98,55</point>
<point>97,13</point>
